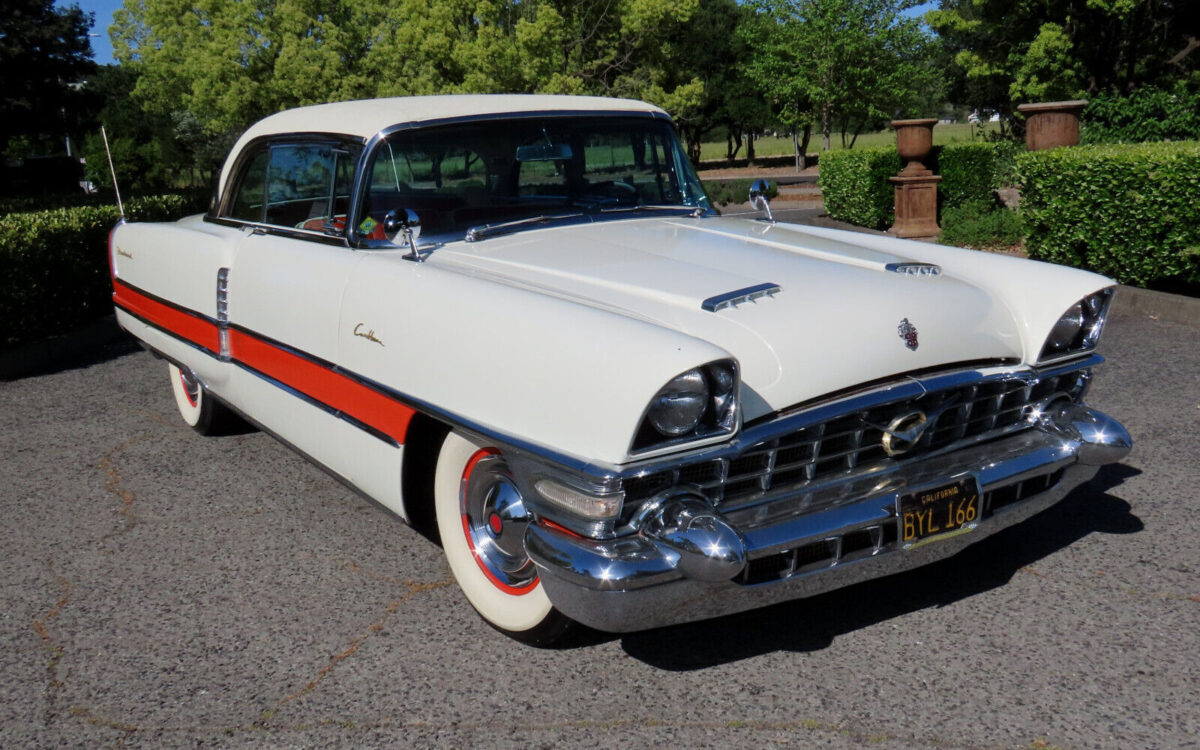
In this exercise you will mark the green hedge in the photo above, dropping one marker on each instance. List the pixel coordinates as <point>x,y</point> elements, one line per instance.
<point>1143,115</point>
<point>855,187</point>
<point>1131,212</point>
<point>971,171</point>
<point>54,264</point>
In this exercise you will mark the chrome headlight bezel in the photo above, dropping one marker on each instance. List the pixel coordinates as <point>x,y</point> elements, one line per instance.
<point>1079,328</point>
<point>716,384</point>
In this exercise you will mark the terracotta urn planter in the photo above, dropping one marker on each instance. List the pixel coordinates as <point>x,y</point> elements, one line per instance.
<point>914,141</point>
<point>1052,124</point>
<point>916,185</point>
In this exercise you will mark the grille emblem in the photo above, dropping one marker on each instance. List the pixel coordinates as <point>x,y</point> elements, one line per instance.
<point>903,432</point>
<point>908,332</point>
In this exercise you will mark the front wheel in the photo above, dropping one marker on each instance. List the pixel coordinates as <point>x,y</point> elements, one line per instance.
<point>482,519</point>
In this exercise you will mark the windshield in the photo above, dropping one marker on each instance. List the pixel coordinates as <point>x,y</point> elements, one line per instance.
<point>460,176</point>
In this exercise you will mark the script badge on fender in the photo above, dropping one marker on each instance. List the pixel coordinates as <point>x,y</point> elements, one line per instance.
<point>908,332</point>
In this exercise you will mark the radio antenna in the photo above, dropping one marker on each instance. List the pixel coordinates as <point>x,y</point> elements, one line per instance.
<point>112,170</point>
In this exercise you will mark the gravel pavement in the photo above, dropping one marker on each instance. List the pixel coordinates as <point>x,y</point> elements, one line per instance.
<point>161,589</point>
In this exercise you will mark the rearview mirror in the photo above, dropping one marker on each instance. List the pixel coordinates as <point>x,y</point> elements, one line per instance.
<point>544,152</point>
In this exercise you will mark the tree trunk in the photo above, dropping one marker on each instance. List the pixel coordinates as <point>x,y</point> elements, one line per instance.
<point>750,145</point>
<point>804,146</point>
<point>826,125</point>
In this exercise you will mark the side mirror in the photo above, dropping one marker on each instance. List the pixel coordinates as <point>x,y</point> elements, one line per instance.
<point>403,227</point>
<point>758,198</point>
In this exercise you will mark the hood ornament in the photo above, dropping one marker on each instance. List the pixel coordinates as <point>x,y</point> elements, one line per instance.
<point>908,332</point>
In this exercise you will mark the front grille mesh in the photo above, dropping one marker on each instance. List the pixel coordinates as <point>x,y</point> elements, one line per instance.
<point>853,441</point>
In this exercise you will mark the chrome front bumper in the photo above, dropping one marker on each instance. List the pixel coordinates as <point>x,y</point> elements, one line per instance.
<point>690,562</point>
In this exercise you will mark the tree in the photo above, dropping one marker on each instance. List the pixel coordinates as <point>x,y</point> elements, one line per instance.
<point>851,62</point>
<point>43,51</point>
<point>230,62</point>
<point>1006,53</point>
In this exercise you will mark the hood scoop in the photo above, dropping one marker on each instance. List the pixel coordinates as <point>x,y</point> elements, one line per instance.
<point>738,296</point>
<point>915,269</point>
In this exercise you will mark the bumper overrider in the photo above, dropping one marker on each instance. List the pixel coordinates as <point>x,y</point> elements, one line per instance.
<point>688,561</point>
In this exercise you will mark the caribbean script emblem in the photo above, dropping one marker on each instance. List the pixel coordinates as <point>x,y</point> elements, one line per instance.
<point>908,332</point>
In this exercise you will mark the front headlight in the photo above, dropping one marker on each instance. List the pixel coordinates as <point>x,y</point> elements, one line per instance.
<point>1079,328</point>
<point>693,405</point>
<point>679,405</point>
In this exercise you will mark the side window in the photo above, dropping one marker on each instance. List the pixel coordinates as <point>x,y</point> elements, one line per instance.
<point>297,185</point>
<point>247,204</point>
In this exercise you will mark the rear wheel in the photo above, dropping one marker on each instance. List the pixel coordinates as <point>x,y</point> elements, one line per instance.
<point>201,411</point>
<point>481,518</point>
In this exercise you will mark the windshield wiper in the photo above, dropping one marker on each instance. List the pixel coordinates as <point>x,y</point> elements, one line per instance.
<point>474,234</point>
<point>693,211</point>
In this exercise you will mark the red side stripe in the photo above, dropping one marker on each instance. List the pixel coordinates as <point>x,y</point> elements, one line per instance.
<point>191,327</point>
<point>333,389</point>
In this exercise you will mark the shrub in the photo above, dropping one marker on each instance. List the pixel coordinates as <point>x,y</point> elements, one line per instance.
<point>980,224</point>
<point>855,187</point>
<point>971,171</point>
<point>724,192</point>
<point>1131,212</point>
<point>54,264</point>
<point>1145,114</point>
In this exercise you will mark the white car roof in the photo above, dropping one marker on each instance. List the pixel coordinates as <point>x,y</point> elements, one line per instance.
<point>366,117</point>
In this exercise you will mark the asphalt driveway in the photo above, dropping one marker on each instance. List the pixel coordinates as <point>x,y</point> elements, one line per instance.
<point>160,589</point>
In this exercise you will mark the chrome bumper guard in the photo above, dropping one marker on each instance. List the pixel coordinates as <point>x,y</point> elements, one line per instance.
<point>690,562</point>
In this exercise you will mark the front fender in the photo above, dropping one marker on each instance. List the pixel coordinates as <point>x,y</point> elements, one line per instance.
<point>550,371</point>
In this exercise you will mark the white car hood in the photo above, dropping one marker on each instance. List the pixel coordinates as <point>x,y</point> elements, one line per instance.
<point>834,324</point>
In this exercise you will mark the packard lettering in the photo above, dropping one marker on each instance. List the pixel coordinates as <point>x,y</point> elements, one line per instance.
<point>368,335</point>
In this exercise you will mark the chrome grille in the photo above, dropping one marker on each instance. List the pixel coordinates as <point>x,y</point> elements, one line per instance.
<point>853,441</point>
<point>873,540</point>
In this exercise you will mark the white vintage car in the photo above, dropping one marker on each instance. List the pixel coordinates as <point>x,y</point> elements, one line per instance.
<point>518,320</point>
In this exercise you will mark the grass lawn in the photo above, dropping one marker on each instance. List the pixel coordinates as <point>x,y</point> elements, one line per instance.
<point>769,146</point>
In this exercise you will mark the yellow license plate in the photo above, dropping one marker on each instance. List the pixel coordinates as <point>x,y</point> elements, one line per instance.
<point>939,510</point>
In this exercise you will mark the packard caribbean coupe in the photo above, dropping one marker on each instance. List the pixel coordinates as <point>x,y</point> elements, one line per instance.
<point>519,320</point>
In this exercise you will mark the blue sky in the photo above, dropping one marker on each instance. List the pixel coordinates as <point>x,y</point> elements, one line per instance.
<point>103,10</point>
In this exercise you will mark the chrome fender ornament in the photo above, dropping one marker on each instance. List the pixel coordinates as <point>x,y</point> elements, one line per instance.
<point>908,332</point>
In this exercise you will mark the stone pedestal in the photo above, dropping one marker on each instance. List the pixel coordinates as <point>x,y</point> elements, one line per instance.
<point>1052,124</point>
<point>916,206</point>
<point>916,185</point>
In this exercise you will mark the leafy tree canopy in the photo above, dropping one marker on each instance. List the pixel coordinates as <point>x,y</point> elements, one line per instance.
<point>845,62</point>
<point>43,50</point>
<point>230,62</point>
<point>1008,52</point>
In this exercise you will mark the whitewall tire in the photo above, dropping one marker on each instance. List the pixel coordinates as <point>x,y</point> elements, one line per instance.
<point>199,410</point>
<point>481,520</point>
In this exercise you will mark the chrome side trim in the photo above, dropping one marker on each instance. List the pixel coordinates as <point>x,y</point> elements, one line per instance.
<point>738,296</point>
<point>223,312</point>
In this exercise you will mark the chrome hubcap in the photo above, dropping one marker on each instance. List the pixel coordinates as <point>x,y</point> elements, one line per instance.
<point>495,520</point>
<point>191,386</point>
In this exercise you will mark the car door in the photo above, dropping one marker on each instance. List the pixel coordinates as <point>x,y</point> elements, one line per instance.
<point>284,297</point>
